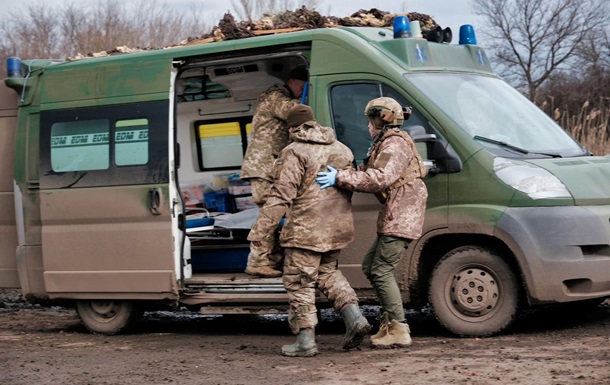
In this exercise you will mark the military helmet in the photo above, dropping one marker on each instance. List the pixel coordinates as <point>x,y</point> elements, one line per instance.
<point>388,109</point>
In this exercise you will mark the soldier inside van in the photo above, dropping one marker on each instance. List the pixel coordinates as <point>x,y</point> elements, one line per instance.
<point>269,137</point>
<point>318,225</point>
<point>393,171</point>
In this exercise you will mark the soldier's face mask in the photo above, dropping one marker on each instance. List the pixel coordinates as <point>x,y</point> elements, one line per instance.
<point>375,119</point>
<point>373,112</point>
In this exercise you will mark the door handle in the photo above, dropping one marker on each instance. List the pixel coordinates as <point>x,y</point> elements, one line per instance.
<point>155,200</point>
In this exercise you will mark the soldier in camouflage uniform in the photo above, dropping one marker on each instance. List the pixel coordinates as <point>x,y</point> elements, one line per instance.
<point>393,171</point>
<point>269,137</point>
<point>318,225</point>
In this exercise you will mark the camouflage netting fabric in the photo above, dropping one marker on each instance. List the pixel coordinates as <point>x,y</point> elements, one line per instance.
<point>304,18</point>
<point>229,29</point>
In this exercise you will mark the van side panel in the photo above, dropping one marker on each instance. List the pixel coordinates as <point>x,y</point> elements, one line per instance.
<point>104,202</point>
<point>27,202</point>
<point>8,230</point>
<point>103,180</point>
<point>104,82</point>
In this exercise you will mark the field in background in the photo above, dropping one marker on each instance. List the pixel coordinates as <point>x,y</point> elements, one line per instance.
<point>590,126</point>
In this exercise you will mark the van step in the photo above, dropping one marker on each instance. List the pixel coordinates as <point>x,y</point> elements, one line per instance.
<point>253,310</point>
<point>232,288</point>
<point>213,288</point>
<point>230,279</point>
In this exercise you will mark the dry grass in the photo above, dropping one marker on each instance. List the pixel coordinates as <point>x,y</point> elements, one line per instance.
<point>590,126</point>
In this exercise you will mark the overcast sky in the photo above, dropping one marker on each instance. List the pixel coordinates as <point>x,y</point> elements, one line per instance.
<point>447,13</point>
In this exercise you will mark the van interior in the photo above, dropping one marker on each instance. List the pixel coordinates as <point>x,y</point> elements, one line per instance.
<point>215,100</point>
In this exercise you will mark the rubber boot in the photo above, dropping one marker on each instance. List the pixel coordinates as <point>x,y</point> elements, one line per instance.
<point>384,325</point>
<point>396,337</point>
<point>356,326</point>
<point>263,271</point>
<point>305,345</point>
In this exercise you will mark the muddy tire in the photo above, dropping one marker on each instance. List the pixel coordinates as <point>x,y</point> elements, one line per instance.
<point>108,317</point>
<point>473,292</point>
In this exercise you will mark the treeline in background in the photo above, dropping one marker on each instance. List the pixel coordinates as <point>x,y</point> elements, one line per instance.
<point>556,52</point>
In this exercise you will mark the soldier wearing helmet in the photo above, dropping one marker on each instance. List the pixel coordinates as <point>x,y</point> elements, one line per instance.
<point>388,109</point>
<point>393,171</point>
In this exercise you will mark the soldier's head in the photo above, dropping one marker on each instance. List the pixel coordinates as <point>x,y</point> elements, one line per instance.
<point>385,112</point>
<point>298,115</point>
<point>297,78</point>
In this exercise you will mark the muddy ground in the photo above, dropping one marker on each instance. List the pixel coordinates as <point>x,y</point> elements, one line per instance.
<point>50,346</point>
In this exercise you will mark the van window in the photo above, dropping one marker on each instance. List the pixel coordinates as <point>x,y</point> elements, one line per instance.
<point>84,145</point>
<point>489,108</point>
<point>122,144</point>
<point>221,144</point>
<point>131,142</point>
<point>348,102</point>
<point>80,146</point>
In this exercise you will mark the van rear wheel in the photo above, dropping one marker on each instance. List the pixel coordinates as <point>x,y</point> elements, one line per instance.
<point>108,317</point>
<point>473,292</point>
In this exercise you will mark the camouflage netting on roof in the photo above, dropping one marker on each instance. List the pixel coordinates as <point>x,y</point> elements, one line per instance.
<point>229,29</point>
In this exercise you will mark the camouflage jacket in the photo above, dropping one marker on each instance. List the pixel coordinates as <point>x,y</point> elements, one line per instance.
<point>269,132</point>
<point>317,220</point>
<point>403,213</point>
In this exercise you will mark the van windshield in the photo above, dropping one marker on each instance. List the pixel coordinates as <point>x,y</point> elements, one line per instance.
<point>497,115</point>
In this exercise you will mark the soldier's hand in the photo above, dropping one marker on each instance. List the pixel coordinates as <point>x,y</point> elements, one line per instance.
<point>327,179</point>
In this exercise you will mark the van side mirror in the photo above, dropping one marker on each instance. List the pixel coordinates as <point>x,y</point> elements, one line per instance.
<point>424,138</point>
<point>414,131</point>
<point>447,160</point>
<point>438,154</point>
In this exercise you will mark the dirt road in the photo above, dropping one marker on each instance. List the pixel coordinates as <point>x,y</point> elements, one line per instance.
<point>49,346</point>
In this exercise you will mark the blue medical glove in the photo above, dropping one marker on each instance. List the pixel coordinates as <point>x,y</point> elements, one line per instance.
<point>327,179</point>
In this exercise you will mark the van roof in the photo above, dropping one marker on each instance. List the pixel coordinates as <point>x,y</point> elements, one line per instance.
<point>411,53</point>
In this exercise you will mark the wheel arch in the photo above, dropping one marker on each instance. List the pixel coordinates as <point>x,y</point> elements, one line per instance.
<point>433,247</point>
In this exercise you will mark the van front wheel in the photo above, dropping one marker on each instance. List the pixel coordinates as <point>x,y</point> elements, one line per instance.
<point>108,317</point>
<point>473,292</point>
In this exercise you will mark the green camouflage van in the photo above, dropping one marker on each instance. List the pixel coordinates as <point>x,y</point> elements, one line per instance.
<point>109,161</point>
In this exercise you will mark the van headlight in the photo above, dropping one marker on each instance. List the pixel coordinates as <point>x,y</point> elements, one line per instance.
<point>536,182</point>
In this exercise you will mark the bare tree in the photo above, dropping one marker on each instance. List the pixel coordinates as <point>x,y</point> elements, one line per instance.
<point>51,32</point>
<point>253,9</point>
<point>160,28</point>
<point>587,83</point>
<point>36,38</point>
<point>533,39</point>
<point>74,28</point>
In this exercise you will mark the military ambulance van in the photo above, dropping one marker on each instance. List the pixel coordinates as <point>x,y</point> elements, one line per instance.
<point>120,188</point>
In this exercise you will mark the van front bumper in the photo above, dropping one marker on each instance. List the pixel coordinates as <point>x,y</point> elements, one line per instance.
<point>563,252</point>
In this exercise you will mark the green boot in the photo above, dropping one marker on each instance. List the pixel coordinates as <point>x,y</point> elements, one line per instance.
<point>305,345</point>
<point>356,326</point>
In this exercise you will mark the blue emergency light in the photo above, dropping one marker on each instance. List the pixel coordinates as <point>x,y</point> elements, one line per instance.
<point>402,27</point>
<point>13,67</point>
<point>467,35</point>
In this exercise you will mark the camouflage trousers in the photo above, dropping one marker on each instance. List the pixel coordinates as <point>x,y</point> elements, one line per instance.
<point>306,270</point>
<point>269,252</point>
<point>378,266</point>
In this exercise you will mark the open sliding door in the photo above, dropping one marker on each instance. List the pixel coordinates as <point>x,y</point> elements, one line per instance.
<point>105,202</point>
